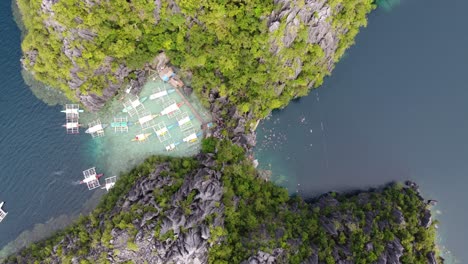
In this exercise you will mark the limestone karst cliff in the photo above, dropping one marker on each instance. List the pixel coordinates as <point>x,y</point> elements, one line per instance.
<point>264,52</point>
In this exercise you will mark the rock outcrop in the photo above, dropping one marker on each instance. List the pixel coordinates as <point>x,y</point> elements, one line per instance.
<point>315,16</point>
<point>284,23</point>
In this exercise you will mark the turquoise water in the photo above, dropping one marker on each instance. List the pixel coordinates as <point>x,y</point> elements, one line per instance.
<point>41,166</point>
<point>115,152</point>
<point>395,108</point>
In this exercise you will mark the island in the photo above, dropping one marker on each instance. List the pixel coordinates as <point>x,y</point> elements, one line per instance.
<point>242,59</point>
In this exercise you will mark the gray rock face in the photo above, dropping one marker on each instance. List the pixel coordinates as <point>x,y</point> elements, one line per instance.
<point>265,258</point>
<point>431,259</point>
<point>426,220</point>
<point>189,243</point>
<point>46,5</point>
<point>392,253</point>
<point>314,16</point>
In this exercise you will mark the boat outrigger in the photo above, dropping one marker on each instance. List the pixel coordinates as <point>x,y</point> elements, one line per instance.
<point>71,125</point>
<point>3,214</point>
<point>184,120</point>
<point>141,137</point>
<point>179,123</point>
<point>147,118</point>
<point>172,147</point>
<point>72,115</point>
<point>110,182</point>
<point>135,104</point>
<point>171,108</point>
<point>91,178</point>
<point>121,124</point>
<point>72,111</point>
<point>192,137</point>
<point>161,94</point>
<point>95,128</point>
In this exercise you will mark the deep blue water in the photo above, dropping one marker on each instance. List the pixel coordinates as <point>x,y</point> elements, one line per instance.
<point>395,108</point>
<point>39,163</point>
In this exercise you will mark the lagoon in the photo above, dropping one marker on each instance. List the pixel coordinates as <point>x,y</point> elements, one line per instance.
<point>395,108</point>
<point>41,165</point>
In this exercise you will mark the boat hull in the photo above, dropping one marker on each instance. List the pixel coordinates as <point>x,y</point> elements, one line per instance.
<point>141,137</point>
<point>88,131</point>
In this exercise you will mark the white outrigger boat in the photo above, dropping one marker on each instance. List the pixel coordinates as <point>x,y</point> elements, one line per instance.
<point>147,118</point>
<point>161,94</point>
<point>171,108</point>
<point>3,214</point>
<point>72,111</point>
<point>110,182</point>
<point>134,104</point>
<point>192,137</point>
<point>71,125</point>
<point>95,128</point>
<point>91,178</point>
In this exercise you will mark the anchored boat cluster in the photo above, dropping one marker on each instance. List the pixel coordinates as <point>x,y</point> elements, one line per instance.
<point>134,113</point>
<point>91,179</point>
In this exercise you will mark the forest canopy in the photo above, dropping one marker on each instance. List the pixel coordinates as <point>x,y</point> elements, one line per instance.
<point>227,46</point>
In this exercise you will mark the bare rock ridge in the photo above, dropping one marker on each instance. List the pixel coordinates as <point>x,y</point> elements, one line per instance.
<point>189,233</point>
<point>315,16</point>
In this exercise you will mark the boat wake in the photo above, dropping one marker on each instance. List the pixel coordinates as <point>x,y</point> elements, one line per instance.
<point>58,173</point>
<point>75,183</point>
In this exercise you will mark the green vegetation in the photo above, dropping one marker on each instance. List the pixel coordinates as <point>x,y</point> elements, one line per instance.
<point>266,218</point>
<point>226,47</point>
<point>104,218</point>
<point>225,44</point>
<point>263,217</point>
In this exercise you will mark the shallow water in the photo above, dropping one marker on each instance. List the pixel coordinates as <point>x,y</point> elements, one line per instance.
<point>395,108</point>
<point>117,151</point>
<point>41,166</point>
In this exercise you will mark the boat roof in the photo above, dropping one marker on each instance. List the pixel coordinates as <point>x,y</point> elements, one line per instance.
<point>162,131</point>
<point>184,120</point>
<point>191,137</point>
<point>95,128</point>
<point>145,119</point>
<point>173,107</point>
<point>158,94</point>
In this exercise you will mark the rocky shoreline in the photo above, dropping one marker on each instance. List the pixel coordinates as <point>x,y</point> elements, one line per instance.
<point>185,227</point>
<point>185,231</point>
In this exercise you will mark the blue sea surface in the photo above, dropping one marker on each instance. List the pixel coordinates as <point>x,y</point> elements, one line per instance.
<point>395,108</point>
<point>39,164</point>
